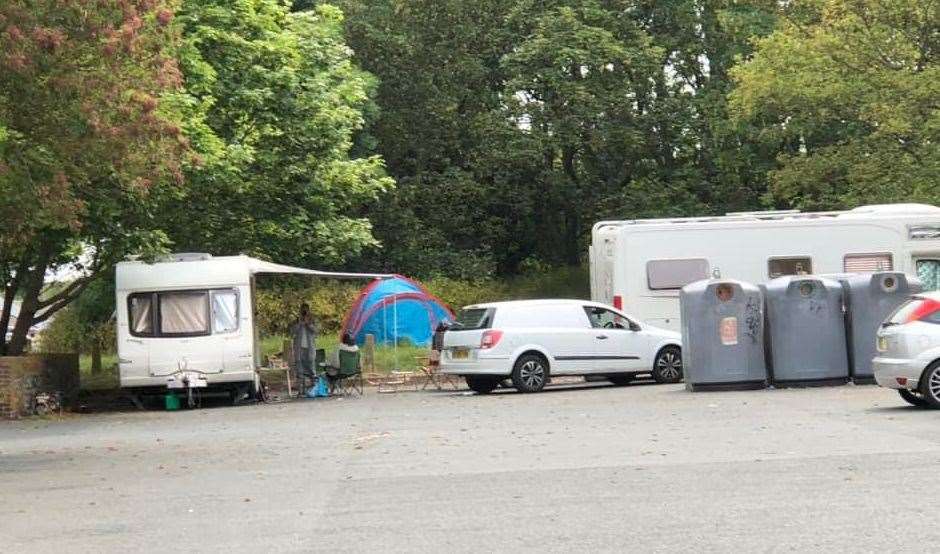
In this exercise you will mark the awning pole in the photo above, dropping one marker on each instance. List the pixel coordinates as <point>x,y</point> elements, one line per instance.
<point>395,327</point>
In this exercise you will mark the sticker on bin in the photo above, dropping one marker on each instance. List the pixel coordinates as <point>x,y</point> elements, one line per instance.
<point>729,331</point>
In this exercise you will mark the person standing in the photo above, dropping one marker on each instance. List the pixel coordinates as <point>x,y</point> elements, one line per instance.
<point>437,345</point>
<point>304,335</point>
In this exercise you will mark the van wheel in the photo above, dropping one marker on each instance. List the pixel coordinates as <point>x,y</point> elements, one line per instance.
<point>667,368</point>
<point>930,385</point>
<point>482,384</point>
<point>530,373</point>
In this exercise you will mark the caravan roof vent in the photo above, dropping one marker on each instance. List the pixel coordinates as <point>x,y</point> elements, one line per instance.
<point>188,257</point>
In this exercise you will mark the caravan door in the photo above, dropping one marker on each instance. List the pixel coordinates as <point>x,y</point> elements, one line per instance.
<point>229,325</point>
<point>133,345</point>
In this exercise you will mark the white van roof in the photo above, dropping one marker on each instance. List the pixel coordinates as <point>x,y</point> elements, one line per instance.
<point>535,302</point>
<point>205,271</point>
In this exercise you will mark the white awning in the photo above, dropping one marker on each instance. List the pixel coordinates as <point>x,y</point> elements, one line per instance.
<point>259,266</point>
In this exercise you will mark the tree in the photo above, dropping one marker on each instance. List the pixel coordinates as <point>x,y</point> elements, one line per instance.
<point>849,90</point>
<point>276,104</point>
<point>482,107</point>
<point>87,144</point>
<point>580,89</point>
<point>438,127</point>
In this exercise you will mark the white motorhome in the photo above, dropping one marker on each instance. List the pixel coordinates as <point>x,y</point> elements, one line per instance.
<point>189,322</point>
<point>639,266</point>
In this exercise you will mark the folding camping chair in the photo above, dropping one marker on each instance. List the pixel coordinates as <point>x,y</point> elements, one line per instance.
<point>430,367</point>
<point>348,376</point>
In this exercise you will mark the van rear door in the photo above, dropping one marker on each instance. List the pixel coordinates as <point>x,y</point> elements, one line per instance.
<point>462,340</point>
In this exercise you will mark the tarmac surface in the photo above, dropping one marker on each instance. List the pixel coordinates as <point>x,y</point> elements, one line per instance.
<point>643,468</point>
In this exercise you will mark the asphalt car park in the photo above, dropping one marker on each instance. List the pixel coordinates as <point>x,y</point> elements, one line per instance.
<point>588,467</point>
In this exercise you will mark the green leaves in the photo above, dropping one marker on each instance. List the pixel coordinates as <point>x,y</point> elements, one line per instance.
<point>852,93</point>
<point>279,105</point>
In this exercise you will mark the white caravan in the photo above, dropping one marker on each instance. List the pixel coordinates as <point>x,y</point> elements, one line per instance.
<point>639,266</point>
<point>189,322</point>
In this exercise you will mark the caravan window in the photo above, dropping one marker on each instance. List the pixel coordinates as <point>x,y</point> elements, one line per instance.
<point>184,313</point>
<point>799,265</point>
<point>867,263</point>
<point>140,308</point>
<point>224,311</point>
<point>675,274</point>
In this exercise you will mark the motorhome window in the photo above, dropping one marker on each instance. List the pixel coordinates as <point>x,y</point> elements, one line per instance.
<point>867,263</point>
<point>675,274</point>
<point>224,311</point>
<point>141,314</point>
<point>928,271</point>
<point>778,267</point>
<point>184,313</point>
<point>473,318</point>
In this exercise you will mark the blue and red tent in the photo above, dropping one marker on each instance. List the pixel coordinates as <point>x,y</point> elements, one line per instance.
<point>395,309</point>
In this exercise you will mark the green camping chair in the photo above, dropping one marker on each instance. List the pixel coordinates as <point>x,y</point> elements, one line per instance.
<point>348,376</point>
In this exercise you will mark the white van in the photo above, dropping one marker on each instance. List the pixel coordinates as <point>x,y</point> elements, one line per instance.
<point>189,321</point>
<point>640,265</point>
<point>531,340</point>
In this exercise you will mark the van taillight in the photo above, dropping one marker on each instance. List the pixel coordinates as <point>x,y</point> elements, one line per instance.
<point>490,338</point>
<point>618,302</point>
<point>927,308</point>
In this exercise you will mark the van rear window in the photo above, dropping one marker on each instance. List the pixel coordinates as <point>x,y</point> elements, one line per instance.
<point>474,318</point>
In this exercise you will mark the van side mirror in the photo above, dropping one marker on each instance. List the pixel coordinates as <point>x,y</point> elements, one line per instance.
<point>635,326</point>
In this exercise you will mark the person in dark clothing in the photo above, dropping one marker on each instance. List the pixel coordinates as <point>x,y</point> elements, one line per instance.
<point>437,344</point>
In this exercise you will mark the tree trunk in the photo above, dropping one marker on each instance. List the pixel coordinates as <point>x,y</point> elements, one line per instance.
<point>96,356</point>
<point>32,287</point>
<point>9,296</point>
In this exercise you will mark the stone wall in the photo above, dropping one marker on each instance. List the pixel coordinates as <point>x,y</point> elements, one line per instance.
<point>21,377</point>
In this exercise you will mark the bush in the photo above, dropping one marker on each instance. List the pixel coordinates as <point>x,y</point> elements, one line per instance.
<point>68,333</point>
<point>278,307</point>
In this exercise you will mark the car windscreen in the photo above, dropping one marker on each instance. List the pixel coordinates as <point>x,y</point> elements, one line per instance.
<point>473,318</point>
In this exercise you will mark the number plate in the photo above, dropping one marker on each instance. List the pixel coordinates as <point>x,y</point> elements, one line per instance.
<point>461,354</point>
<point>882,344</point>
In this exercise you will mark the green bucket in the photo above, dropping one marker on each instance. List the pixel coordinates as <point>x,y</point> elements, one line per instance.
<point>171,402</point>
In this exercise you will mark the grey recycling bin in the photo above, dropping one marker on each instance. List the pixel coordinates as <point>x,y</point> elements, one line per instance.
<point>722,335</point>
<point>806,330</point>
<point>869,300</point>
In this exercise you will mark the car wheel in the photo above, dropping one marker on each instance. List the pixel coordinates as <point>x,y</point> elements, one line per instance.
<point>530,373</point>
<point>482,384</point>
<point>930,385</point>
<point>667,367</point>
<point>913,398</point>
<point>620,380</point>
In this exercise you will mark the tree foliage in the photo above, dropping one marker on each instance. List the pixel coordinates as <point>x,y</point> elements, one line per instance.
<point>849,88</point>
<point>512,125</point>
<point>278,102</point>
<point>87,145</point>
